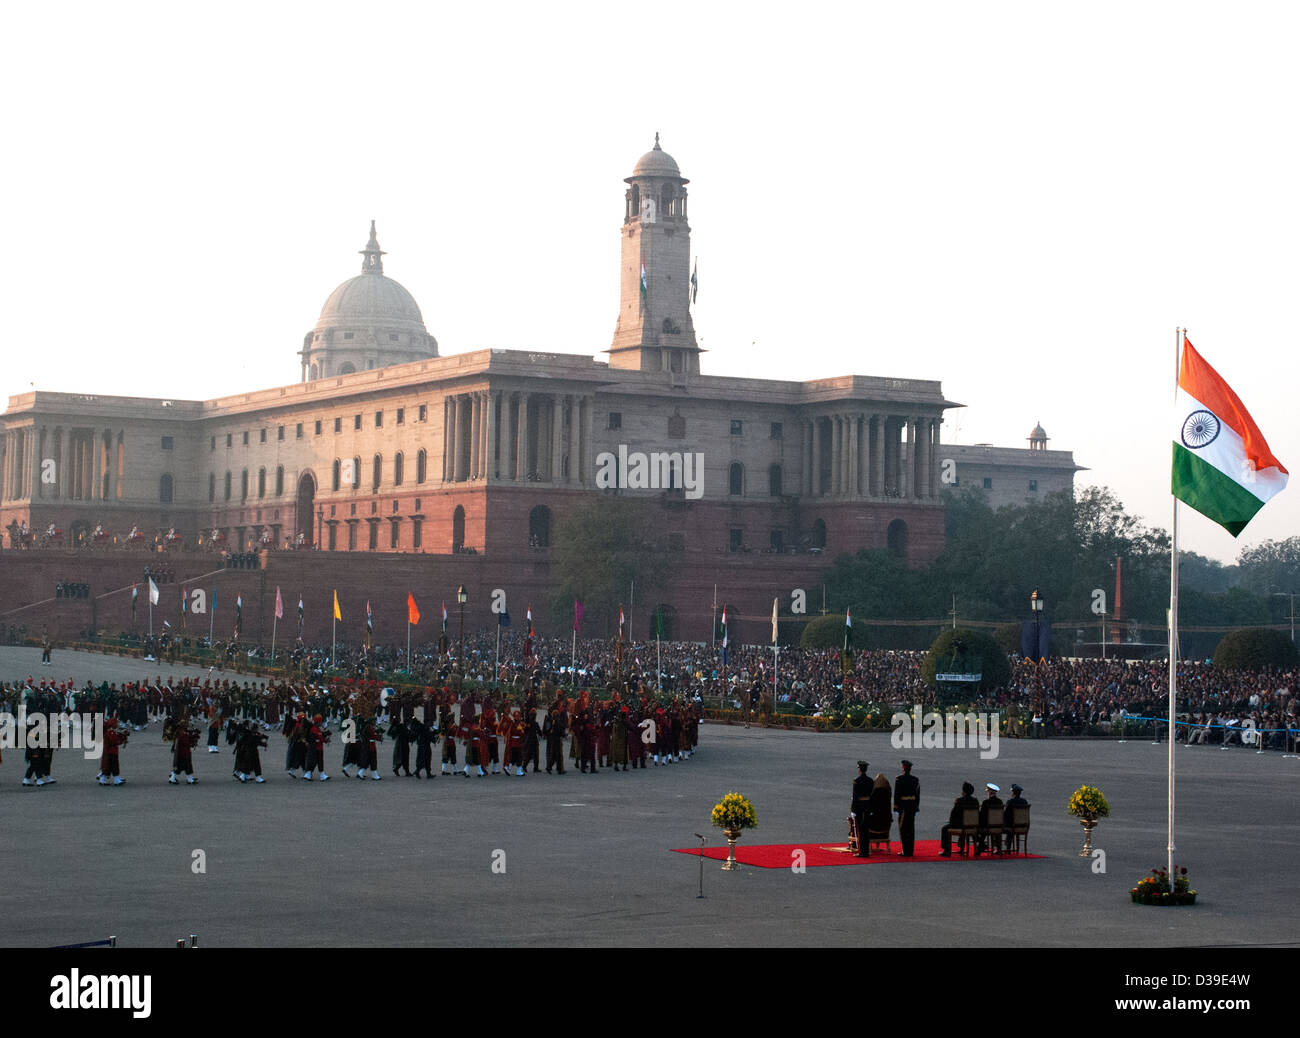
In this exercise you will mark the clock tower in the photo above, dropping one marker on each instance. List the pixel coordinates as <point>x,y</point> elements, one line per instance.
<point>654,330</point>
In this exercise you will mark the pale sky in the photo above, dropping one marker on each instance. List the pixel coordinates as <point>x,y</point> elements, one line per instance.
<point>1021,200</point>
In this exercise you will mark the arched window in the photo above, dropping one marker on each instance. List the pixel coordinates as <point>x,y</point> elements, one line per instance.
<point>896,538</point>
<point>261,482</point>
<point>421,465</point>
<point>347,368</point>
<point>314,374</point>
<point>376,471</point>
<point>818,535</point>
<point>539,527</point>
<point>398,460</point>
<point>774,480</point>
<point>736,479</point>
<point>458,529</point>
<point>336,483</point>
<point>356,473</point>
<point>243,485</point>
<point>227,485</point>
<point>212,486</point>
<point>279,481</point>
<point>165,489</point>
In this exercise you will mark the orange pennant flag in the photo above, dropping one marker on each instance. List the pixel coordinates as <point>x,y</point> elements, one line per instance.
<point>412,613</point>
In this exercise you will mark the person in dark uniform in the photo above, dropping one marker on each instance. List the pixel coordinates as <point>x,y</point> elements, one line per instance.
<point>959,807</point>
<point>991,808</point>
<point>1009,814</point>
<point>860,807</point>
<point>907,802</point>
<point>882,816</point>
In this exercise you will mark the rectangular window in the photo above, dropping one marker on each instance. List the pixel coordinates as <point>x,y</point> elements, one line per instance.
<point>374,536</point>
<point>1033,486</point>
<point>737,427</point>
<point>245,437</point>
<point>348,335</point>
<point>988,483</point>
<point>424,412</point>
<point>394,533</point>
<point>279,431</point>
<point>776,430</point>
<point>334,536</point>
<point>338,425</point>
<point>166,443</point>
<point>318,427</point>
<point>214,444</point>
<point>401,416</point>
<point>261,436</point>
<point>352,536</point>
<point>379,419</point>
<point>736,539</point>
<point>356,421</point>
<point>615,420</point>
<point>229,439</point>
<point>417,533</point>
<point>299,431</point>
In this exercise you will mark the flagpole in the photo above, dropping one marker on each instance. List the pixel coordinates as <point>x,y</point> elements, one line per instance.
<point>212,616</point>
<point>713,629</point>
<point>573,660</point>
<point>274,620</point>
<point>408,643</point>
<point>1173,636</point>
<point>496,663</point>
<point>151,609</point>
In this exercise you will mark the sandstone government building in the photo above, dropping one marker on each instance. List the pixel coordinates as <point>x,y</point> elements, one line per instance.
<point>389,466</point>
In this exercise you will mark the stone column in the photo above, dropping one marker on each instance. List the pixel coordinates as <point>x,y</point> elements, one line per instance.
<point>475,434</point>
<point>509,436</point>
<point>934,457</point>
<point>492,401</point>
<point>448,439</point>
<point>557,431</point>
<point>589,442</point>
<point>816,458</point>
<point>462,453</point>
<point>572,476</point>
<point>923,484</point>
<point>522,473</point>
<point>854,426</point>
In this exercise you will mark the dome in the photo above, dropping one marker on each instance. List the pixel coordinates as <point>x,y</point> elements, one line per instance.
<point>371,299</point>
<point>657,163</point>
<point>369,321</point>
<point>1039,433</point>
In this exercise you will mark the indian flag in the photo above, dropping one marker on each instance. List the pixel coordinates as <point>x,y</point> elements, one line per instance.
<point>1222,465</point>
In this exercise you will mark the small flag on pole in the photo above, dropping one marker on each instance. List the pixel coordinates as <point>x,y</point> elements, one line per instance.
<point>279,605</point>
<point>848,626</point>
<point>135,594</point>
<point>531,633</point>
<point>370,623</point>
<point>239,613</point>
<point>338,615</point>
<point>183,606</point>
<point>444,617</point>
<point>412,613</point>
<point>153,592</point>
<point>578,612</point>
<point>643,284</point>
<point>621,621</point>
<point>695,280</point>
<point>775,610</point>
<point>300,616</point>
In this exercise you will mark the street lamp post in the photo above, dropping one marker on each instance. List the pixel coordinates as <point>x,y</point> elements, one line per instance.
<point>461,598</point>
<point>1291,596</point>
<point>1036,607</point>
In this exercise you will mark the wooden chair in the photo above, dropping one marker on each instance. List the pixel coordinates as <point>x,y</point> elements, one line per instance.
<point>965,835</point>
<point>875,838</point>
<point>1017,833</point>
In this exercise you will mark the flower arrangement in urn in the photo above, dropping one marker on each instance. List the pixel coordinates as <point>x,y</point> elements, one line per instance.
<point>733,814</point>
<point>1088,803</point>
<point>1154,889</point>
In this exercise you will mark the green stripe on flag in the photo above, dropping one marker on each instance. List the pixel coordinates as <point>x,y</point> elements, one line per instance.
<point>1210,492</point>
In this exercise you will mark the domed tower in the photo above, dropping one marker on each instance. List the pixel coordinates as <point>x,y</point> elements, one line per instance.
<point>1037,438</point>
<point>368,322</point>
<point>654,330</point>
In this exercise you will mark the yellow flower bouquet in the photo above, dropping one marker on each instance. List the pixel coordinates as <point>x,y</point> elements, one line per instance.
<point>735,812</point>
<point>1088,802</point>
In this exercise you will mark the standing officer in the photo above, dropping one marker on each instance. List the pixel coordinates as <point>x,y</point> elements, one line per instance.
<point>861,807</point>
<point>907,802</point>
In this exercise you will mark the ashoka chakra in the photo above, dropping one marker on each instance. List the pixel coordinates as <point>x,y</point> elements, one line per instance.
<point>1200,429</point>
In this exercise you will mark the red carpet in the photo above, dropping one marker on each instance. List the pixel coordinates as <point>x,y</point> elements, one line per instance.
<point>782,855</point>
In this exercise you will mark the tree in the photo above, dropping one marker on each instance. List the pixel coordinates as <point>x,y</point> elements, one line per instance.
<point>964,651</point>
<point>1255,648</point>
<point>1271,567</point>
<point>602,547</point>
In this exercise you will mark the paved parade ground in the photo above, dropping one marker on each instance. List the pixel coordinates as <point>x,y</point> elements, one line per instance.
<point>581,861</point>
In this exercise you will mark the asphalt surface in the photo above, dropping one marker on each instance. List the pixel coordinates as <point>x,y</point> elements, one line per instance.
<point>583,861</point>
